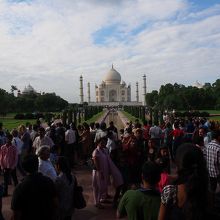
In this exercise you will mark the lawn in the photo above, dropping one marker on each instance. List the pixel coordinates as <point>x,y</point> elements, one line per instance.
<point>211,111</point>
<point>95,118</point>
<point>10,123</point>
<point>130,117</point>
<point>214,118</point>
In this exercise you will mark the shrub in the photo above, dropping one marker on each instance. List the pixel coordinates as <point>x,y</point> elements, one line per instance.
<point>39,115</point>
<point>48,117</point>
<point>19,116</point>
<point>204,114</point>
<point>29,116</point>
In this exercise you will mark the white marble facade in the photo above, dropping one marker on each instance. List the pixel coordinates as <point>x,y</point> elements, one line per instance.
<point>112,89</point>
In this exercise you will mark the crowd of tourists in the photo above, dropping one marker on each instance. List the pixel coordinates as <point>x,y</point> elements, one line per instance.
<point>166,171</point>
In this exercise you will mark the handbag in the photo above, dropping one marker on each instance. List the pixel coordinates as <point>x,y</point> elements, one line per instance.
<point>91,164</point>
<point>79,201</point>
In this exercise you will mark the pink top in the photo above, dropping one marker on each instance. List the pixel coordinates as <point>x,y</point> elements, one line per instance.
<point>163,181</point>
<point>8,156</point>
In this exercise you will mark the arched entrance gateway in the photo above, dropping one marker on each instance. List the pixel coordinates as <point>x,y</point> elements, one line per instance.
<point>113,96</point>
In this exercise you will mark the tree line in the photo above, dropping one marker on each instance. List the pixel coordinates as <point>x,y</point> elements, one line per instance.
<point>31,102</point>
<point>180,97</point>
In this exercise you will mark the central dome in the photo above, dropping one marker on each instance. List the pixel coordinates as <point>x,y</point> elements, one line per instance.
<point>112,77</point>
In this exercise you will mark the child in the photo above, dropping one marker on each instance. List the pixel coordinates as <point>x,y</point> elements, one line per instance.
<point>164,162</point>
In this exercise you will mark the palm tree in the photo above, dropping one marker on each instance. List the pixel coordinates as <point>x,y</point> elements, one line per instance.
<point>13,88</point>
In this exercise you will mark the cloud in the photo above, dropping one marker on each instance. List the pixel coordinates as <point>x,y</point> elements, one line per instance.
<point>49,44</point>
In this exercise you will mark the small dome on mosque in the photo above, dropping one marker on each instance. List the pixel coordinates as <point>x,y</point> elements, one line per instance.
<point>112,77</point>
<point>198,85</point>
<point>28,89</point>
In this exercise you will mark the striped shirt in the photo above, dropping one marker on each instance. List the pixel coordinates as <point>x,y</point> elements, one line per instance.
<point>8,156</point>
<point>213,158</point>
<point>169,195</point>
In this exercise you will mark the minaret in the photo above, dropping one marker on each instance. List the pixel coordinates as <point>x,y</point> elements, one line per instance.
<point>81,90</point>
<point>145,89</point>
<point>137,92</point>
<point>96,93</point>
<point>89,98</point>
<point>129,93</point>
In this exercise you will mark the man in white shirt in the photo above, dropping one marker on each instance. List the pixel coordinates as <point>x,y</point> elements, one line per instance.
<point>101,132</point>
<point>45,165</point>
<point>70,135</point>
<point>70,139</point>
<point>41,140</point>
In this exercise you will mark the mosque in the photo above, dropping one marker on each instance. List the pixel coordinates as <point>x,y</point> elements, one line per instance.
<point>113,91</point>
<point>27,91</point>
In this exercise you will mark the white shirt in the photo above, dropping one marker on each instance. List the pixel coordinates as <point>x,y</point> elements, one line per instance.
<point>47,169</point>
<point>70,136</point>
<point>33,135</point>
<point>111,145</point>
<point>100,134</point>
<point>38,142</point>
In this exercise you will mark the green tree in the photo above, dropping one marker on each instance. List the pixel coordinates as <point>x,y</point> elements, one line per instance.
<point>50,102</point>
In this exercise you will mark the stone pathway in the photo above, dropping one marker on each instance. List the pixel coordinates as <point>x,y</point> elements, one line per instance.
<point>84,176</point>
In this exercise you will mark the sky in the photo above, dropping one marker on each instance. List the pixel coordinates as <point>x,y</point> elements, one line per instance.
<point>49,44</point>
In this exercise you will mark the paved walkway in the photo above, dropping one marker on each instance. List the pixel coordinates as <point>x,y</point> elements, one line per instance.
<point>91,212</point>
<point>84,176</point>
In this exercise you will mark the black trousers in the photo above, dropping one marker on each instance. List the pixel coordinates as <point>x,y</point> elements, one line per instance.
<point>7,173</point>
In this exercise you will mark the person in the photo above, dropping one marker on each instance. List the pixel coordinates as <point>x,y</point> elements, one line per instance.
<point>142,203</point>
<point>131,155</point>
<point>70,138</point>
<point>65,183</point>
<point>86,141</point>
<point>1,195</point>
<point>100,132</point>
<point>41,140</point>
<point>35,197</point>
<point>146,129</point>
<point>2,135</point>
<point>155,133</point>
<point>26,139</point>
<point>163,161</point>
<point>111,145</point>
<point>113,129</point>
<point>151,151</point>
<point>92,134</point>
<point>177,135</point>
<point>60,137</point>
<point>8,162</point>
<point>17,142</point>
<point>168,139</point>
<point>212,154</point>
<point>34,133</point>
<point>100,174</point>
<point>45,165</point>
<point>187,199</point>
